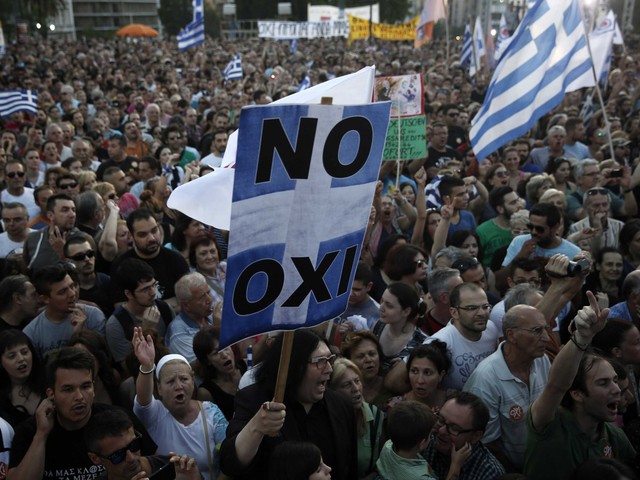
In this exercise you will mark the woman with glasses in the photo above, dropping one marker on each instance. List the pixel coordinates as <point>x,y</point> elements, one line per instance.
<point>497,176</point>
<point>219,370</point>
<point>398,335</point>
<point>176,421</point>
<point>408,264</point>
<point>346,378</point>
<point>309,412</point>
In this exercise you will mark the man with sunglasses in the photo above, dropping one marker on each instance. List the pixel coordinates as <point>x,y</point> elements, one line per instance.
<point>14,219</point>
<point>543,241</point>
<point>462,420</point>
<point>51,443</point>
<point>509,380</point>
<point>80,251</point>
<point>114,445</point>
<point>15,178</point>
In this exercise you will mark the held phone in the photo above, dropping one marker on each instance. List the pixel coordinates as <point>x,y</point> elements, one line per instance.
<point>616,173</point>
<point>166,472</point>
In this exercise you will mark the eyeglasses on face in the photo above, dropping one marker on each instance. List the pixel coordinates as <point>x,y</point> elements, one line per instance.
<point>67,186</point>
<point>79,257</point>
<point>474,308</point>
<point>537,228</point>
<point>119,455</point>
<point>421,263</point>
<point>15,174</point>
<point>321,362</point>
<point>536,331</point>
<point>452,429</point>
<point>148,288</point>
<point>501,173</point>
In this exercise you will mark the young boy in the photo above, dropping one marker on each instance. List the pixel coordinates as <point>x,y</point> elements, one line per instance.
<point>409,424</point>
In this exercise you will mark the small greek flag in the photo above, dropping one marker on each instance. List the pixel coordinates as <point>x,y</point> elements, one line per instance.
<point>12,101</point>
<point>305,83</point>
<point>233,71</point>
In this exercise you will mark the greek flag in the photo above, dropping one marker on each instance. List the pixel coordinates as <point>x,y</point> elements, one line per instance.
<point>304,179</point>
<point>233,70</point>
<point>480,50</point>
<point>467,47</point>
<point>12,101</point>
<point>193,34</point>
<point>304,84</point>
<point>587,110</point>
<point>504,39</point>
<point>547,53</point>
<point>293,46</point>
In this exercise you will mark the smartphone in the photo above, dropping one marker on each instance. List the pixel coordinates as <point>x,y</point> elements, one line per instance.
<point>616,173</point>
<point>166,472</point>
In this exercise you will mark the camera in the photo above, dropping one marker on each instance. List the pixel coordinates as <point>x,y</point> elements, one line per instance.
<point>576,268</point>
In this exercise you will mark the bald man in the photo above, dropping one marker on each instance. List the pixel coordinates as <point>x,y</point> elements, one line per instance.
<point>509,380</point>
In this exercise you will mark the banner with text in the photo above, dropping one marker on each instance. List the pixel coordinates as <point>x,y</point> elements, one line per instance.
<point>290,30</point>
<point>359,29</point>
<point>305,176</point>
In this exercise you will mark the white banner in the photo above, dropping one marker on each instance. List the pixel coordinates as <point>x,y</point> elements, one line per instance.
<point>291,30</point>
<point>320,13</point>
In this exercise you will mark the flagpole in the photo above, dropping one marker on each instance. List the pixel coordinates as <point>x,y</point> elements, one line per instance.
<point>472,24</point>
<point>446,28</point>
<point>599,92</point>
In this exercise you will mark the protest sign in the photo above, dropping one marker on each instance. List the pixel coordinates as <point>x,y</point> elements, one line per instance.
<point>304,179</point>
<point>413,140</point>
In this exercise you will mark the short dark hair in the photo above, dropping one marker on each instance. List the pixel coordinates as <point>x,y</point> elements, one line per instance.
<point>408,423</point>
<point>294,460</point>
<point>68,358</point>
<point>153,163</point>
<point>206,240</point>
<point>110,422</point>
<point>9,286</point>
<point>496,196</point>
<point>456,293</point>
<point>526,264</point>
<point>448,183</point>
<point>137,215</point>
<point>45,277</point>
<point>132,272</point>
<point>479,410</point>
<point>78,239</point>
<point>548,210</point>
<point>588,361</point>
<point>435,351</point>
<point>401,260</point>
<point>51,202</point>
<point>363,273</point>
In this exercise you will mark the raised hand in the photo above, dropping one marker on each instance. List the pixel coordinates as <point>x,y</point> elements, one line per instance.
<point>589,320</point>
<point>143,348</point>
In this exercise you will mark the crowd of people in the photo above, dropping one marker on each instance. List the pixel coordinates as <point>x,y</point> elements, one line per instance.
<point>492,329</point>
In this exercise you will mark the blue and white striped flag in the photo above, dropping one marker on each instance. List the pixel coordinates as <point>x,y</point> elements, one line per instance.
<point>305,83</point>
<point>193,34</point>
<point>296,167</point>
<point>233,70</point>
<point>293,46</point>
<point>504,39</point>
<point>12,101</point>
<point>480,49</point>
<point>586,112</point>
<point>547,53</point>
<point>467,47</point>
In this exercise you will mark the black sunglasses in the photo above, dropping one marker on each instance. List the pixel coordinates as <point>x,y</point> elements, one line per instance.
<point>537,228</point>
<point>15,174</point>
<point>66,186</point>
<point>597,191</point>
<point>79,257</point>
<point>119,455</point>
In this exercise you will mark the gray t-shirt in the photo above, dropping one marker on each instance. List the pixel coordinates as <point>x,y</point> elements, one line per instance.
<point>47,336</point>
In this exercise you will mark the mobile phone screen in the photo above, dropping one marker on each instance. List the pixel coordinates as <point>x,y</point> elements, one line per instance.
<point>166,472</point>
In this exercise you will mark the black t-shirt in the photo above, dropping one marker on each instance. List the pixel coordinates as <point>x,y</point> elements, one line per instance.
<point>65,451</point>
<point>169,266</point>
<point>438,159</point>
<point>127,164</point>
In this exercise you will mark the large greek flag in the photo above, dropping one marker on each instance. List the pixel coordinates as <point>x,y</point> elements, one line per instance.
<point>305,177</point>
<point>193,34</point>
<point>548,52</point>
<point>12,101</point>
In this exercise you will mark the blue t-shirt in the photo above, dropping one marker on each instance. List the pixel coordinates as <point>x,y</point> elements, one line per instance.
<point>566,247</point>
<point>467,222</point>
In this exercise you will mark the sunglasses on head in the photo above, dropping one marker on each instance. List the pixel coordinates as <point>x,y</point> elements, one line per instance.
<point>537,228</point>
<point>597,191</point>
<point>119,455</point>
<point>463,265</point>
<point>79,257</point>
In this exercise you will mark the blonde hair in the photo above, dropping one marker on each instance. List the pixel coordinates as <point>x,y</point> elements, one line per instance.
<point>85,177</point>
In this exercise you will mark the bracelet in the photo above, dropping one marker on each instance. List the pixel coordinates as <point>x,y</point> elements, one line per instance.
<point>152,370</point>
<point>582,347</point>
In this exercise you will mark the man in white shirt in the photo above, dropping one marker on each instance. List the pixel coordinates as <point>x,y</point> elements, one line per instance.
<point>15,177</point>
<point>14,219</point>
